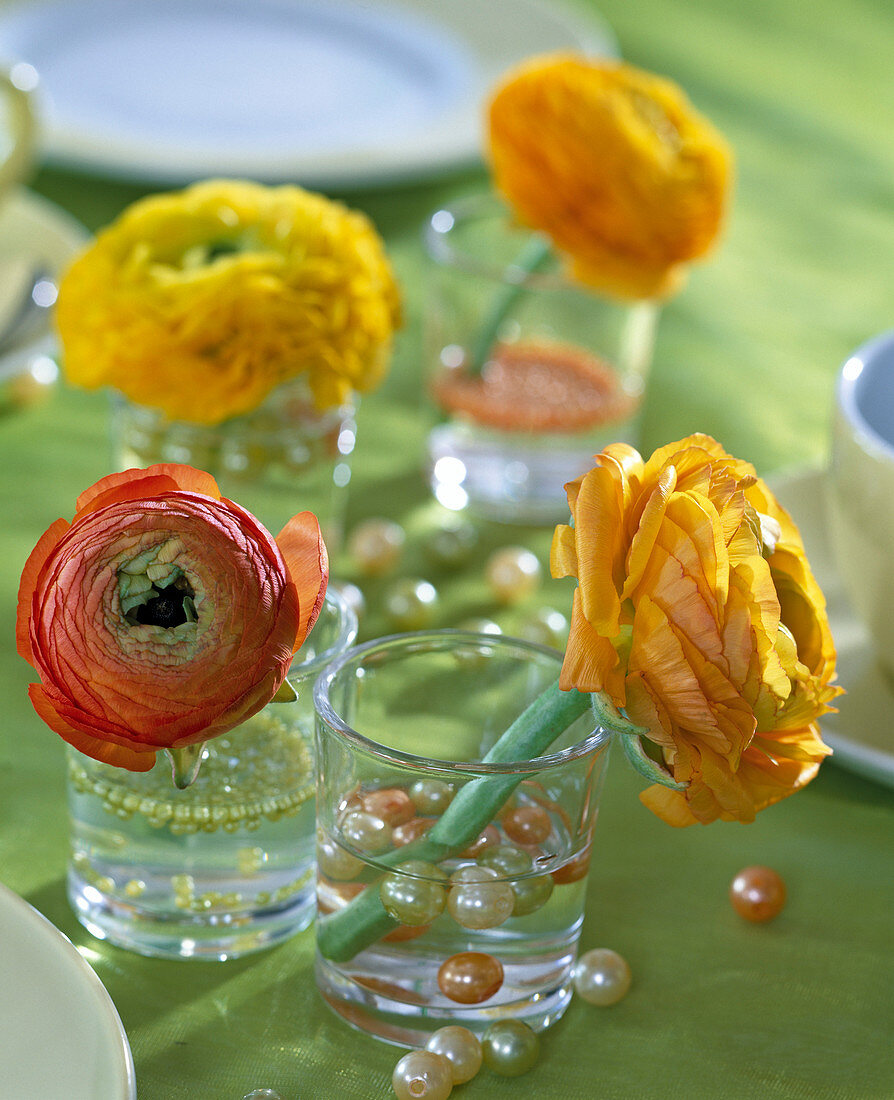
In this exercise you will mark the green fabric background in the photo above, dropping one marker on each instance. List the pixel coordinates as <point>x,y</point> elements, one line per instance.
<point>799,1008</point>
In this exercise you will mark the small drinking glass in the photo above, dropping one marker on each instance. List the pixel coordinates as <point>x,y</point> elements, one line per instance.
<point>224,867</point>
<point>530,371</point>
<point>484,927</point>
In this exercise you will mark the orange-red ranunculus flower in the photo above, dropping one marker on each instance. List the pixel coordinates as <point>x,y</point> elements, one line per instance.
<point>614,165</point>
<point>696,610</point>
<point>163,614</point>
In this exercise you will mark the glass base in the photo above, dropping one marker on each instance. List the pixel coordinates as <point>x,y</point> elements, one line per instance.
<point>396,998</point>
<point>209,936</point>
<point>513,477</point>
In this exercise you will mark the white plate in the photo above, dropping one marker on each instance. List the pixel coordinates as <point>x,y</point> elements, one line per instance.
<point>34,235</point>
<point>60,1035</point>
<point>326,93</point>
<point>861,734</point>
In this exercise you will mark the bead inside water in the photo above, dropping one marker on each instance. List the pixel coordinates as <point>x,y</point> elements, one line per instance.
<point>506,859</point>
<point>602,977</point>
<point>431,796</point>
<point>478,899</point>
<point>414,900</point>
<point>470,977</point>
<point>334,862</point>
<point>527,824</point>
<point>366,832</point>
<point>757,893</point>
<point>391,804</point>
<point>461,1048</point>
<point>422,1075</point>
<point>411,830</point>
<point>510,1048</point>
<point>531,894</point>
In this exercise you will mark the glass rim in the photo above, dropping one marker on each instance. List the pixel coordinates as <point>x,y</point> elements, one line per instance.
<point>348,626</point>
<point>484,204</point>
<point>428,640</point>
<point>488,204</point>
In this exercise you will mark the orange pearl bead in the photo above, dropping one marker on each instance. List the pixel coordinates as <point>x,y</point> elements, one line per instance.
<point>574,870</point>
<point>488,839</point>
<point>470,977</point>
<point>757,893</point>
<point>411,829</point>
<point>391,804</point>
<point>527,825</point>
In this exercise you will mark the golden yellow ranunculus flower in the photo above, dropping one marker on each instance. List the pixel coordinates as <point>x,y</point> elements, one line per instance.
<point>697,612</point>
<point>200,302</point>
<point>614,165</point>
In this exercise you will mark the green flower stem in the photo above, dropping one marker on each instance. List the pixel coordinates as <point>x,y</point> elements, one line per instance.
<point>185,764</point>
<point>344,934</point>
<point>536,250</point>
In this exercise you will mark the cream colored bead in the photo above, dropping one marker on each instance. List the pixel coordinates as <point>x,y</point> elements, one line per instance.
<point>512,574</point>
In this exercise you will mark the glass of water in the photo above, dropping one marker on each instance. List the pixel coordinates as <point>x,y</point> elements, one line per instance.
<point>224,867</point>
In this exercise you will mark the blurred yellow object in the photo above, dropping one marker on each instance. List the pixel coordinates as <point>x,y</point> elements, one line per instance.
<point>614,165</point>
<point>200,302</point>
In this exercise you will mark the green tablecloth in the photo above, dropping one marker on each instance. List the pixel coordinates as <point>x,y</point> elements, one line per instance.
<point>800,1008</point>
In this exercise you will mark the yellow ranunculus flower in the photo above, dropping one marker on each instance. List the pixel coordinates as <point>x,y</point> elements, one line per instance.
<point>697,612</point>
<point>200,302</point>
<point>614,165</point>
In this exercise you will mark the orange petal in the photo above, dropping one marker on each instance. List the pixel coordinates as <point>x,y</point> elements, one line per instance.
<point>36,560</point>
<point>670,806</point>
<point>563,554</point>
<point>591,661</point>
<point>599,527</point>
<point>307,560</point>
<point>138,484</point>
<point>104,751</point>
<point>647,532</point>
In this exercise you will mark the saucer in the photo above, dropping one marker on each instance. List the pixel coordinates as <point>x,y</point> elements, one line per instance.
<point>60,1034</point>
<point>861,733</point>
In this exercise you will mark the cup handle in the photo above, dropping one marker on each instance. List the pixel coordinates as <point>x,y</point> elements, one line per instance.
<point>23,131</point>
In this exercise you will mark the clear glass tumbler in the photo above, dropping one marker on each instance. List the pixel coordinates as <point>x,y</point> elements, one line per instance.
<point>224,867</point>
<point>449,890</point>
<point>283,458</point>
<point>531,372</point>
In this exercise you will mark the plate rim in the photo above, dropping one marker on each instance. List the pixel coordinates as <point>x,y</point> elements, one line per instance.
<point>458,149</point>
<point>30,916</point>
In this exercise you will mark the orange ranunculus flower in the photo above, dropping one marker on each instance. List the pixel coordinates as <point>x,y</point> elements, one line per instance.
<point>614,165</point>
<point>697,612</point>
<point>163,614</point>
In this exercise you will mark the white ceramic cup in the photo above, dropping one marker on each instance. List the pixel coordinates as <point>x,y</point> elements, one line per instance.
<point>860,492</point>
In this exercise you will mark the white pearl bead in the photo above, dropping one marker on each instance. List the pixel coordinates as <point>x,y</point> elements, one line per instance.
<point>479,899</point>
<point>376,546</point>
<point>422,1075</point>
<point>602,977</point>
<point>461,1048</point>
<point>512,574</point>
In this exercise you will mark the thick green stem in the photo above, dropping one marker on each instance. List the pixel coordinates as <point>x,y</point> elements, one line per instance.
<point>535,252</point>
<point>342,935</point>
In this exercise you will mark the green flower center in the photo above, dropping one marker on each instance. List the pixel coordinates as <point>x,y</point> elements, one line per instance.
<point>154,591</point>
